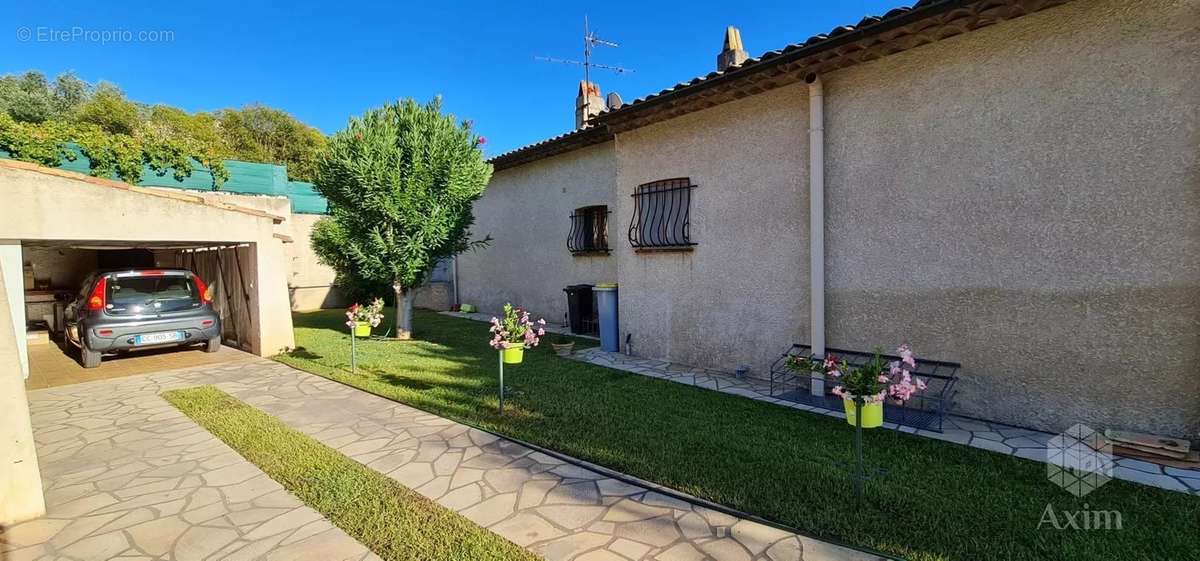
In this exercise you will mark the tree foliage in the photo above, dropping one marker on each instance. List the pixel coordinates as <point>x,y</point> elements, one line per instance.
<point>262,134</point>
<point>400,181</point>
<point>70,108</point>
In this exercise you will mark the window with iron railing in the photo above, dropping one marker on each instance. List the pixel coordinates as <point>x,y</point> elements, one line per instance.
<point>589,231</point>
<point>661,216</point>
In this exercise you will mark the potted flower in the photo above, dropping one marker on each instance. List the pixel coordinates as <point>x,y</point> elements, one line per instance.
<point>869,384</point>
<point>563,346</point>
<point>515,333</point>
<point>362,318</point>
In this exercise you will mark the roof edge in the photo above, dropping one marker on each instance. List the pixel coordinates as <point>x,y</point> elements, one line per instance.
<point>874,37</point>
<point>151,191</point>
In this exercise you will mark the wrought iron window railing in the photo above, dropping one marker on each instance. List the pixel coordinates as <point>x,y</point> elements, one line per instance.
<point>661,215</point>
<point>589,231</point>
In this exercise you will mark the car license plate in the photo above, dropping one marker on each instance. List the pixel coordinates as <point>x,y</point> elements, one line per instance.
<point>156,338</point>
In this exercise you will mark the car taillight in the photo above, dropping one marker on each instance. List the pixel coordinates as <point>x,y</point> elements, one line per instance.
<point>96,300</point>
<point>206,323</point>
<point>105,332</point>
<point>203,289</point>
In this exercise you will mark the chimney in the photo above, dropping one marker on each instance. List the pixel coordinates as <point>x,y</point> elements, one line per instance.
<point>733,53</point>
<point>588,103</point>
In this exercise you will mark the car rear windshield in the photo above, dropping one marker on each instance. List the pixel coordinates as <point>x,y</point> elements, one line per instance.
<point>149,295</point>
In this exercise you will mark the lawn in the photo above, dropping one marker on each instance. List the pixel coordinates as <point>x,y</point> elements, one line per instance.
<point>396,523</point>
<point>939,501</point>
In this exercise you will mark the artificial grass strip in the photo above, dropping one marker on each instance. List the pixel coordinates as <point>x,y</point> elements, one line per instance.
<point>396,523</point>
<point>939,501</point>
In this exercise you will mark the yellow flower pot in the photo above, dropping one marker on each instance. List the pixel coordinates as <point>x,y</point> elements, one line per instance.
<point>872,414</point>
<point>362,329</point>
<point>514,355</point>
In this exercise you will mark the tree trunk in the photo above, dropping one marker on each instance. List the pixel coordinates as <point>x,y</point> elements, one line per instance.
<point>404,307</point>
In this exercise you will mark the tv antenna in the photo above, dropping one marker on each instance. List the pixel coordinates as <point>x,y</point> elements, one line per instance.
<point>590,41</point>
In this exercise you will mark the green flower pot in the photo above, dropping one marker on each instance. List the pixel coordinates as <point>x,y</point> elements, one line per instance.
<point>362,329</point>
<point>514,355</point>
<point>872,414</point>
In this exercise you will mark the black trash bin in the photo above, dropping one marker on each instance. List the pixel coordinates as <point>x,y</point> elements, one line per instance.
<point>581,310</point>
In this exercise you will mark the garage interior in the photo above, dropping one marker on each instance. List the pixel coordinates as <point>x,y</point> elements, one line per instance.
<point>54,270</point>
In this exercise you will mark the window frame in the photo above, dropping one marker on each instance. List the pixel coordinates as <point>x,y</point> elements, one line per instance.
<point>662,216</point>
<point>585,237</point>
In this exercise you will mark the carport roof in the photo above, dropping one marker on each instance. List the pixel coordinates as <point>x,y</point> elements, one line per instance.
<point>99,181</point>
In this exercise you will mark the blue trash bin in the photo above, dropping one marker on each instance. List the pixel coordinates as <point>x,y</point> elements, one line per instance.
<point>606,308</point>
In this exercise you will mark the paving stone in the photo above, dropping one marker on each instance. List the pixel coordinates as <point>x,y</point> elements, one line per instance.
<point>658,499</point>
<point>572,517</point>
<point>492,510</point>
<point>33,532</point>
<point>726,550</point>
<point>629,510</point>
<point>992,445</point>
<point>570,546</point>
<point>629,549</point>
<point>527,528</point>
<point>756,537</point>
<point>658,532</point>
<point>583,493</point>
<point>788,549</point>
<point>97,548</point>
<point>681,552</point>
<point>1151,479</point>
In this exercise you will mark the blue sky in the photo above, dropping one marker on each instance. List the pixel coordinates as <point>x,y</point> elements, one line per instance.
<point>327,61</point>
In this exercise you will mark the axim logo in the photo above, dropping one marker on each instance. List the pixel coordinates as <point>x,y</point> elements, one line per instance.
<point>1079,460</point>
<point>1081,519</point>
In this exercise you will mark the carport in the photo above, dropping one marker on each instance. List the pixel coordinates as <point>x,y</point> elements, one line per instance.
<point>58,226</point>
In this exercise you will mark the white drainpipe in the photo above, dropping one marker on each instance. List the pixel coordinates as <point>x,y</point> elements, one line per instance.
<point>816,221</point>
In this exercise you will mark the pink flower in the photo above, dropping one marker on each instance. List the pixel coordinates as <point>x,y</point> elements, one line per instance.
<point>481,141</point>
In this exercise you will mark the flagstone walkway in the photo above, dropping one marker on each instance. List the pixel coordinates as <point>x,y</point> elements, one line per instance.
<point>129,477</point>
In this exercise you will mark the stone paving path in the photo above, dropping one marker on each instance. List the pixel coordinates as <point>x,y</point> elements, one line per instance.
<point>995,437</point>
<point>129,477</point>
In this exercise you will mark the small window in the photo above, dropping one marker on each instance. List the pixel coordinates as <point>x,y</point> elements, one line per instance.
<point>661,215</point>
<point>589,231</point>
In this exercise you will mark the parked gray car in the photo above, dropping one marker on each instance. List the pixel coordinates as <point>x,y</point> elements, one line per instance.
<point>141,308</point>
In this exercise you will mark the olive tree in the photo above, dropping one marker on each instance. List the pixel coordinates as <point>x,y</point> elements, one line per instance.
<point>400,181</point>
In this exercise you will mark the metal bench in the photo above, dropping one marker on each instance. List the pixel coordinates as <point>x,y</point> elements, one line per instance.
<point>926,410</point>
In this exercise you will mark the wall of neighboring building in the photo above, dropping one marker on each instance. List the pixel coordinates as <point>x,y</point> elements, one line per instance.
<point>526,210</point>
<point>311,284</point>
<point>741,296</point>
<point>1025,199</point>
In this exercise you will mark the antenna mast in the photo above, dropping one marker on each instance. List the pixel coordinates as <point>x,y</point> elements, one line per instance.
<point>590,40</point>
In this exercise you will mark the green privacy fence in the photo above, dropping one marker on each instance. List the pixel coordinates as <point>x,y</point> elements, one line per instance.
<point>247,178</point>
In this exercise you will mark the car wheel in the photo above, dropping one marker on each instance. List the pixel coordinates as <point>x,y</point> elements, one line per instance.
<point>213,345</point>
<point>88,357</point>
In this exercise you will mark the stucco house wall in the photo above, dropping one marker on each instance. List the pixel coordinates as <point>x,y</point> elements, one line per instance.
<point>1025,199</point>
<point>741,295</point>
<point>526,210</point>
